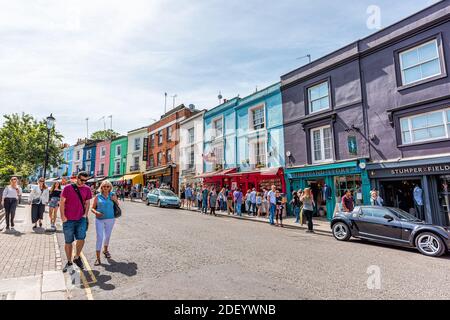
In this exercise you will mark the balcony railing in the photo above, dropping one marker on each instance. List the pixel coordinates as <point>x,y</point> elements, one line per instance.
<point>100,173</point>
<point>116,172</point>
<point>135,168</point>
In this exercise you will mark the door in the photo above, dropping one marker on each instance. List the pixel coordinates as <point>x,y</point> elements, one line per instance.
<point>372,223</point>
<point>153,196</point>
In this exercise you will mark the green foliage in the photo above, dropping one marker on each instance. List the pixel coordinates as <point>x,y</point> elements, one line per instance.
<point>22,145</point>
<point>104,135</point>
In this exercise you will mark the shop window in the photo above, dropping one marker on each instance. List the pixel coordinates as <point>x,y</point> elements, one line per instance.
<point>425,127</point>
<point>319,97</point>
<point>321,143</point>
<point>352,183</point>
<point>420,63</point>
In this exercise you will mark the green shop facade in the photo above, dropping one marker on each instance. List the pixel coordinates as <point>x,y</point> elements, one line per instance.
<point>328,183</point>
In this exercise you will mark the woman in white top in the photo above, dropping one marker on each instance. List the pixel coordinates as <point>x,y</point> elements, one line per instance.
<point>10,200</point>
<point>39,199</point>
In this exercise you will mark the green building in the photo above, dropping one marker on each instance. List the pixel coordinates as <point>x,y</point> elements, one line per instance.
<point>118,158</point>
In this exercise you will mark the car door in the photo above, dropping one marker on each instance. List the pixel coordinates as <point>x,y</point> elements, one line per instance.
<point>152,197</point>
<point>376,226</point>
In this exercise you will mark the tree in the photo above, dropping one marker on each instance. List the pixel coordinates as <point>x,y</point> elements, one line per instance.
<point>22,145</point>
<point>104,135</point>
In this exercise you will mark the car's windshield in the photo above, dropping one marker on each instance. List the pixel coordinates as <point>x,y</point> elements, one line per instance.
<point>167,193</point>
<point>402,215</point>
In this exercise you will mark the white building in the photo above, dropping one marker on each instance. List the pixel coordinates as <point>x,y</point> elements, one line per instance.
<point>135,154</point>
<point>191,149</point>
<point>78,157</point>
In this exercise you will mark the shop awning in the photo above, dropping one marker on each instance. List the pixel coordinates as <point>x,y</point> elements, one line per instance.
<point>136,178</point>
<point>114,179</point>
<point>96,179</point>
<point>157,170</point>
<point>217,173</point>
<point>262,172</point>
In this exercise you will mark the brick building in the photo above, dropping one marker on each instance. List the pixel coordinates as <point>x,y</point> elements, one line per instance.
<point>163,148</point>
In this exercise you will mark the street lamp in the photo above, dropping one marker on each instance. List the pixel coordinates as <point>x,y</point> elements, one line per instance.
<point>50,125</point>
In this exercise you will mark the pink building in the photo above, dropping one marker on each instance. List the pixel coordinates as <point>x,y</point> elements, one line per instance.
<point>102,158</point>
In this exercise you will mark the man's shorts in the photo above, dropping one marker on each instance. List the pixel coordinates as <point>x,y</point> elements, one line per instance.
<point>74,230</point>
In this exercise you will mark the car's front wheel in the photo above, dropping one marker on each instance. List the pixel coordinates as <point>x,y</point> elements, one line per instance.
<point>341,231</point>
<point>430,244</point>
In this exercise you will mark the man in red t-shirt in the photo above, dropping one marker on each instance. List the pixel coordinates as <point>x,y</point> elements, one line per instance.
<point>74,212</point>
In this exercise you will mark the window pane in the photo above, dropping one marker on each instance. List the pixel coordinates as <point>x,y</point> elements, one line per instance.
<point>327,142</point>
<point>314,93</point>
<point>316,106</point>
<point>431,68</point>
<point>409,59</point>
<point>437,132</point>
<point>421,134</point>
<point>404,124</point>
<point>435,119</point>
<point>419,122</point>
<point>406,138</point>
<point>448,115</point>
<point>324,103</point>
<point>412,75</point>
<point>428,52</point>
<point>317,143</point>
<point>324,89</point>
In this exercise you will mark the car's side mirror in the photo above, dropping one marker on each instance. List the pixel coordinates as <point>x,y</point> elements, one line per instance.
<point>388,217</point>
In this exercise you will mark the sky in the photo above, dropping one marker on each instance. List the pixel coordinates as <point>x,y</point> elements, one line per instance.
<point>81,59</point>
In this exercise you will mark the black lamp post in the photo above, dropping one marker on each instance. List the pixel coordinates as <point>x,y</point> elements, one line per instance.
<point>50,125</point>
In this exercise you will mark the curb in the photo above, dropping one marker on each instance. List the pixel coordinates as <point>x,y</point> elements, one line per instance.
<point>321,232</point>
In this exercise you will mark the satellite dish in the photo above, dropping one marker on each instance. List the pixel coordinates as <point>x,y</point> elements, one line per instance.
<point>191,106</point>
<point>220,96</point>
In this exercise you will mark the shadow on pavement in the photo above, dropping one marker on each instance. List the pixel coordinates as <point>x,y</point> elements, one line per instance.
<point>127,268</point>
<point>13,233</point>
<point>102,280</point>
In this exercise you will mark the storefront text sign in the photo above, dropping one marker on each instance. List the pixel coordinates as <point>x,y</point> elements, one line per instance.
<point>414,171</point>
<point>332,172</point>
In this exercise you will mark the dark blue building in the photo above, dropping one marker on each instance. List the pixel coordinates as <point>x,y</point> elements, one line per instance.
<point>89,157</point>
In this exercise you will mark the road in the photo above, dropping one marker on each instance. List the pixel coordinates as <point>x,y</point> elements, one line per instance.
<point>176,254</point>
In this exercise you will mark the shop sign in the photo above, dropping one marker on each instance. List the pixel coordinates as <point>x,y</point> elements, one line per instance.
<point>352,147</point>
<point>332,172</point>
<point>412,171</point>
<point>145,151</point>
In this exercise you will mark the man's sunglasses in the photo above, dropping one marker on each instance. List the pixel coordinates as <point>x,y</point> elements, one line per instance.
<point>84,180</point>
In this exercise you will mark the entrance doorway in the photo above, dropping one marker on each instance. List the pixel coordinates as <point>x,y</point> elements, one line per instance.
<point>399,194</point>
<point>316,185</point>
<point>444,197</point>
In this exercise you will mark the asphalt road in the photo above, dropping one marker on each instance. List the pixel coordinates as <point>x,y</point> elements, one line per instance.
<point>176,254</point>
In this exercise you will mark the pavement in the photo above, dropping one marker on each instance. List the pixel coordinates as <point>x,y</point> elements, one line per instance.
<point>180,254</point>
<point>30,264</point>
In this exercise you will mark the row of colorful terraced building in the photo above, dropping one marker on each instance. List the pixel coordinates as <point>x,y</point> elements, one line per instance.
<point>374,114</point>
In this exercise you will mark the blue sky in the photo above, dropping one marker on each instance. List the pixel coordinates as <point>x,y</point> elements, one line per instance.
<point>79,58</point>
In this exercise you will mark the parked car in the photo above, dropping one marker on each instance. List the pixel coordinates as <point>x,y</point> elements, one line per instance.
<point>391,226</point>
<point>163,198</point>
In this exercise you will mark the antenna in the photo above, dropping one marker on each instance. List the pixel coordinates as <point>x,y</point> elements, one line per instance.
<point>305,56</point>
<point>104,122</point>
<point>174,96</point>
<point>165,102</point>
<point>110,117</point>
<point>87,128</point>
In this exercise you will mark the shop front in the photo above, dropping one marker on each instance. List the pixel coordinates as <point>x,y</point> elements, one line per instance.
<point>259,179</point>
<point>420,187</point>
<point>328,183</point>
<point>162,177</point>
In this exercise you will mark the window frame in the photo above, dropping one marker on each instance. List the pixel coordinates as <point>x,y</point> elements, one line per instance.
<point>193,135</point>
<point>169,133</point>
<point>160,137</point>
<point>118,154</point>
<point>137,145</point>
<point>251,120</point>
<point>417,47</point>
<point>322,144</point>
<point>446,124</point>
<point>214,129</point>
<point>102,152</point>
<point>308,96</point>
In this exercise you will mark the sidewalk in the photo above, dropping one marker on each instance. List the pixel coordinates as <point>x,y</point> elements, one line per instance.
<point>321,225</point>
<point>30,264</point>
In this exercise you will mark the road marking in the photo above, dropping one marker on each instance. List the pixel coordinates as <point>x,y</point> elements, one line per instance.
<point>86,283</point>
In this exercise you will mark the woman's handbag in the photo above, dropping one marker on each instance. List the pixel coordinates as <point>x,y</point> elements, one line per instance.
<point>117,210</point>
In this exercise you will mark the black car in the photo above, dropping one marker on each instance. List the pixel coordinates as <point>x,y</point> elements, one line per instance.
<point>391,226</point>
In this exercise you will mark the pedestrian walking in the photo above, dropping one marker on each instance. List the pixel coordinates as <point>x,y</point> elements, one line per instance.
<point>229,195</point>
<point>212,201</point>
<point>103,209</point>
<point>238,197</point>
<point>347,201</point>
<point>253,201</point>
<point>199,199</point>
<point>296,205</point>
<point>279,209</point>
<point>39,197</point>
<point>308,207</point>
<point>55,197</point>
<point>10,200</point>
<point>74,208</point>
<point>265,203</point>
<point>205,193</point>
<point>259,204</point>
<point>222,200</point>
<point>248,203</point>
<point>183,197</point>
<point>272,200</point>
<point>188,196</point>
<point>375,199</point>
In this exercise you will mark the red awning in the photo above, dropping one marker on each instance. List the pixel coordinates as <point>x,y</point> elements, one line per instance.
<point>217,173</point>
<point>262,172</point>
